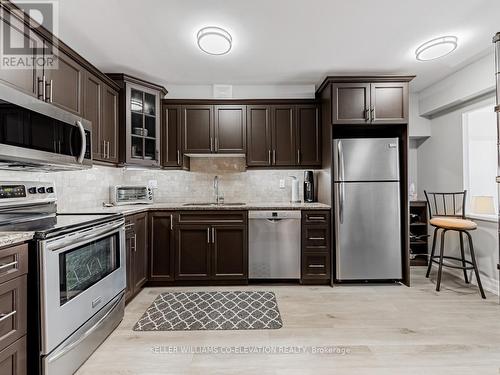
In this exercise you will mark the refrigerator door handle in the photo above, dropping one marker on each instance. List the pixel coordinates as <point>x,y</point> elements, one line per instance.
<point>341,178</point>
<point>337,188</point>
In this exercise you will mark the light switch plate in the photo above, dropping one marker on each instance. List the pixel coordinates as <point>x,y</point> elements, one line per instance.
<point>153,184</point>
<point>282,183</point>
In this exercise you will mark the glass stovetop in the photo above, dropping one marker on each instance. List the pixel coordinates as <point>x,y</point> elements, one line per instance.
<point>44,225</point>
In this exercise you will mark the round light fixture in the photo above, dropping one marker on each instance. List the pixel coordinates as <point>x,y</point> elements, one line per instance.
<point>214,40</point>
<point>436,48</point>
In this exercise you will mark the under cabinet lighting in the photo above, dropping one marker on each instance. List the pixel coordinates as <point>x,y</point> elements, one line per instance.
<point>436,48</point>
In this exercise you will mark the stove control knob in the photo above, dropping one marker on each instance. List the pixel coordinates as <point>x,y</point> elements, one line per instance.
<point>50,190</point>
<point>32,190</point>
<point>41,190</point>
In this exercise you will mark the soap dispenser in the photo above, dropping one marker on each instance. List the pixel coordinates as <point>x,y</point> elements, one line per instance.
<point>295,190</point>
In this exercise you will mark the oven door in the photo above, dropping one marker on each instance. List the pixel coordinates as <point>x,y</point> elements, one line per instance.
<point>80,273</point>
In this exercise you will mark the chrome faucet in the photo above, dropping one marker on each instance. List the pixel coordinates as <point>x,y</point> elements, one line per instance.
<point>216,189</point>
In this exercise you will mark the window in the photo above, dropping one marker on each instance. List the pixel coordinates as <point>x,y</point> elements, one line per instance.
<point>480,162</point>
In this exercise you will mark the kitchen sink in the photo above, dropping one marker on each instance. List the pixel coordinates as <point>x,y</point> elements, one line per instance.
<point>214,204</point>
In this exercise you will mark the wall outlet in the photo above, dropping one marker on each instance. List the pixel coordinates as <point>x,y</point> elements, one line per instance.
<point>282,183</point>
<point>153,184</point>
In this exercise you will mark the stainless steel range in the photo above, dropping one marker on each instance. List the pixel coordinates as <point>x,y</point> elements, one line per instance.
<point>79,271</point>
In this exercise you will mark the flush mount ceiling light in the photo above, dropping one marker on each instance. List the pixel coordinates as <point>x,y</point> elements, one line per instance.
<point>436,48</point>
<point>214,40</point>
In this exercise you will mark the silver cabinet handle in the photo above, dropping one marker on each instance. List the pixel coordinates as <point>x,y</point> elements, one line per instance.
<point>135,242</point>
<point>48,85</point>
<point>372,110</point>
<point>129,225</point>
<point>104,149</point>
<point>171,222</point>
<point>208,235</point>
<point>269,157</point>
<point>316,266</point>
<point>316,238</point>
<point>7,265</point>
<point>107,150</point>
<point>298,156</point>
<point>211,144</point>
<point>316,218</point>
<point>213,235</point>
<point>178,157</point>
<point>41,93</point>
<point>84,143</point>
<point>367,114</point>
<point>5,316</point>
<point>274,156</point>
<point>216,144</point>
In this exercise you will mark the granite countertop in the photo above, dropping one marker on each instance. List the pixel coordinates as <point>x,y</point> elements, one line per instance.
<point>13,238</point>
<point>137,208</point>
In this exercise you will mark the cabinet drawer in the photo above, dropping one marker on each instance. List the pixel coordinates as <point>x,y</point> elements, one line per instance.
<point>13,262</point>
<point>316,237</point>
<point>13,358</point>
<point>13,299</point>
<point>211,217</point>
<point>316,265</point>
<point>316,217</point>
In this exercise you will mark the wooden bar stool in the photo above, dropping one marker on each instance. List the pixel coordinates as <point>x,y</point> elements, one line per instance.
<point>447,213</point>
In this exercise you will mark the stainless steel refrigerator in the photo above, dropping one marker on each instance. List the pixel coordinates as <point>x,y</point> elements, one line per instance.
<point>367,209</point>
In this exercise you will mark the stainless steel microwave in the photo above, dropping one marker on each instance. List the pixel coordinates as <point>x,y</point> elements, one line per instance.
<point>125,194</point>
<point>35,135</point>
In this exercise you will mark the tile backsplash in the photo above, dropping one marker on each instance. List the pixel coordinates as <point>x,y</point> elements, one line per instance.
<point>90,188</point>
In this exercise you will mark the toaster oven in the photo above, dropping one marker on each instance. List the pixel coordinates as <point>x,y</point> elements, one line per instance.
<point>125,194</point>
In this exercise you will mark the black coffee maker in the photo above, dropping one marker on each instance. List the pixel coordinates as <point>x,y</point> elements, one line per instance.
<point>308,186</point>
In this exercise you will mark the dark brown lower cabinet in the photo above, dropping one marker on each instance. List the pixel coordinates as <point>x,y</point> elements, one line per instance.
<point>137,253</point>
<point>161,245</point>
<point>316,253</point>
<point>13,309</point>
<point>192,252</point>
<point>13,359</point>
<point>211,246</point>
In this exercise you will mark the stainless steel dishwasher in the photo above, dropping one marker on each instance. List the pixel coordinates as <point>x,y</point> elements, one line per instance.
<point>274,244</point>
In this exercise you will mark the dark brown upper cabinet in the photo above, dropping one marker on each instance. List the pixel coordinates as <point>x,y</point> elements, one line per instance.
<point>28,80</point>
<point>100,107</point>
<point>367,100</point>
<point>161,246</point>
<point>197,129</point>
<point>139,120</point>
<point>64,83</point>
<point>171,139</point>
<point>389,102</point>
<point>213,129</point>
<point>230,129</point>
<point>283,135</point>
<point>308,135</point>
<point>351,103</point>
<point>259,135</point>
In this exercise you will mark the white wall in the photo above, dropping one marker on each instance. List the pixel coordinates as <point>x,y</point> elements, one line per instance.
<point>468,83</point>
<point>440,168</point>
<point>243,91</point>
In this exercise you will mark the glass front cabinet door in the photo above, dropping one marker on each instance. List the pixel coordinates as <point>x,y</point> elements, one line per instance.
<point>142,111</point>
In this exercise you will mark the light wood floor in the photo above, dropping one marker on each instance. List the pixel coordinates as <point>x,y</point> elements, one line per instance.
<point>387,329</point>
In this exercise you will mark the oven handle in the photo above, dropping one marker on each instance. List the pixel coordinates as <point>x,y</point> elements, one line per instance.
<point>86,334</point>
<point>80,157</point>
<point>69,242</point>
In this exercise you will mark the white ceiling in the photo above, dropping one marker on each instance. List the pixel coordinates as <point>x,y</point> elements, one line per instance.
<point>276,41</point>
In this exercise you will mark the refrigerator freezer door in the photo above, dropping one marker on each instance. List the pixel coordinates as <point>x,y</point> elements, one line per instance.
<point>368,231</point>
<point>366,159</point>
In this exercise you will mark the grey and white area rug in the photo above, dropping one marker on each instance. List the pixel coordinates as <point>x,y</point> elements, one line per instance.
<point>184,311</point>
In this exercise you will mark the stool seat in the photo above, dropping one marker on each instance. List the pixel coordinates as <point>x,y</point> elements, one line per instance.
<point>453,223</point>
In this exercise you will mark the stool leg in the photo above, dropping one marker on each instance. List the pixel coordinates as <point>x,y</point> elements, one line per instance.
<point>463,255</point>
<point>441,254</point>
<point>432,252</point>
<point>476,270</point>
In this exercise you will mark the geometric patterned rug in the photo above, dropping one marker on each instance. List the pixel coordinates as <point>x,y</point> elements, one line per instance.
<point>184,311</point>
